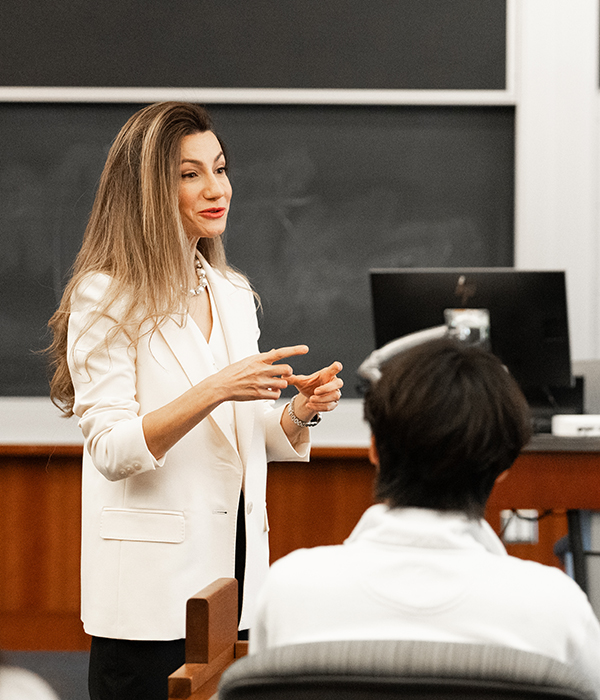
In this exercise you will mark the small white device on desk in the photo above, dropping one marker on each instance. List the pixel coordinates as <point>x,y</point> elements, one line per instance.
<point>570,425</point>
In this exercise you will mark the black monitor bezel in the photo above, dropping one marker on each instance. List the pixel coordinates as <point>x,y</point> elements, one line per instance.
<point>531,337</point>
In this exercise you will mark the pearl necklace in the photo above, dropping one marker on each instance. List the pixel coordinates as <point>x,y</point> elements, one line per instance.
<point>202,281</point>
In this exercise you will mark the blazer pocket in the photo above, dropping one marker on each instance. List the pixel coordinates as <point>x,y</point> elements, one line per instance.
<point>141,525</point>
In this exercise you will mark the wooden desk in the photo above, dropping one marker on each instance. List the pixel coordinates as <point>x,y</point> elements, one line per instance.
<point>309,504</point>
<point>552,474</point>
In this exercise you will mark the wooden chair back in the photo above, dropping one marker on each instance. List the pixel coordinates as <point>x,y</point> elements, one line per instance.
<point>211,643</point>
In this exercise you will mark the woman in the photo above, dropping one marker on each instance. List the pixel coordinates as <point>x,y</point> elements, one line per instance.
<point>155,347</point>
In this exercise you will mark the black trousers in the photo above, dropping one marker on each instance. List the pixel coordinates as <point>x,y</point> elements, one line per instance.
<point>125,669</point>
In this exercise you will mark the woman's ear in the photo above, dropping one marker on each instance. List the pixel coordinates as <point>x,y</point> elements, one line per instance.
<point>373,454</point>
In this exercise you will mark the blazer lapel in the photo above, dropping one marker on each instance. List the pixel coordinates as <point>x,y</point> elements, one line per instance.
<point>189,348</point>
<point>191,351</point>
<point>231,303</point>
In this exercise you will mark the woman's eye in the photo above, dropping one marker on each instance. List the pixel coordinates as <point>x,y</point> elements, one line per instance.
<point>222,170</point>
<point>188,175</point>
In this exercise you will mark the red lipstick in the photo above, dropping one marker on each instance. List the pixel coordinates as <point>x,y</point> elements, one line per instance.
<point>213,212</point>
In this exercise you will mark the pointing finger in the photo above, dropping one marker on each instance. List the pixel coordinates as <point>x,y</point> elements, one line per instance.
<point>326,378</point>
<point>332,370</point>
<point>280,353</point>
<point>326,374</point>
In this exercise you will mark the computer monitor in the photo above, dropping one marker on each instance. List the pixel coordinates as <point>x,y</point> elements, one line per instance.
<point>529,328</point>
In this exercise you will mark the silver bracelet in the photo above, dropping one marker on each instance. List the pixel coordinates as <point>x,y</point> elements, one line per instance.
<point>315,420</point>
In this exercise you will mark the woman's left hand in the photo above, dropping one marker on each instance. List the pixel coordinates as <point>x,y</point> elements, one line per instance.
<point>319,392</point>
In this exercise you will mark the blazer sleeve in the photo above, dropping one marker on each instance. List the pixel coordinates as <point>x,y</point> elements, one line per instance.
<point>279,448</point>
<point>105,386</point>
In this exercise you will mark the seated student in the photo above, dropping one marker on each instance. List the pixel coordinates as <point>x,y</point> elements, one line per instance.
<point>447,420</point>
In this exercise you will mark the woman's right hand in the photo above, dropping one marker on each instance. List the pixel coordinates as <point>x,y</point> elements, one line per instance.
<point>257,377</point>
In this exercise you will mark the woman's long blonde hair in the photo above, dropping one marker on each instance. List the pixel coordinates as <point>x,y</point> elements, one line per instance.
<point>135,234</point>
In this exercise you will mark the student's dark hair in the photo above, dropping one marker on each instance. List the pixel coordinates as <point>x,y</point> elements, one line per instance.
<point>447,420</point>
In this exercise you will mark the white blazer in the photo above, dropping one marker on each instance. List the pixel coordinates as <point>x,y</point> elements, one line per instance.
<point>155,532</point>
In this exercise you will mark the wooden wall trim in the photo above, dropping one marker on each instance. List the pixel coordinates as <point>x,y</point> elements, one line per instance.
<point>540,443</point>
<point>339,453</point>
<point>41,451</point>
